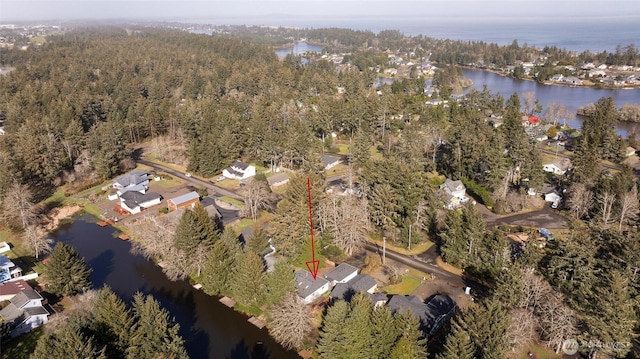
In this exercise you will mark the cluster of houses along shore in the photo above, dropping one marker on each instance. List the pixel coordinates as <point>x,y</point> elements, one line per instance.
<point>344,282</point>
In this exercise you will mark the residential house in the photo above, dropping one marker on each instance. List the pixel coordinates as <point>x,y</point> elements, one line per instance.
<point>630,151</point>
<point>360,283</point>
<point>553,197</point>
<point>309,289</point>
<point>133,178</point>
<point>186,200</point>
<point>9,289</point>
<point>341,274</point>
<point>557,77</point>
<point>8,270</point>
<point>278,180</point>
<point>572,80</point>
<point>559,167</point>
<point>134,202</point>
<point>432,315</point>
<point>24,312</point>
<point>330,161</point>
<point>454,192</point>
<point>239,170</point>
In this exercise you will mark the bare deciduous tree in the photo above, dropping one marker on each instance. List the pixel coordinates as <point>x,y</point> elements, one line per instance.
<point>606,200</point>
<point>530,103</point>
<point>556,112</point>
<point>17,205</point>
<point>256,198</point>
<point>580,200</point>
<point>346,218</point>
<point>290,321</point>
<point>522,327</point>
<point>557,322</point>
<point>39,243</point>
<point>629,206</point>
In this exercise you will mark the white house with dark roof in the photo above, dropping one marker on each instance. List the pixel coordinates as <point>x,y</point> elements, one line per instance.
<point>330,161</point>
<point>24,312</point>
<point>135,202</point>
<point>239,170</point>
<point>454,193</point>
<point>310,289</point>
<point>559,166</point>
<point>341,274</point>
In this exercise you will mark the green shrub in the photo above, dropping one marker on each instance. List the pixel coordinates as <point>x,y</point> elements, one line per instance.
<point>478,191</point>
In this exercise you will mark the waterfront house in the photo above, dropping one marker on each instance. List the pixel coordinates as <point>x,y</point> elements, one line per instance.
<point>134,202</point>
<point>9,289</point>
<point>360,283</point>
<point>133,178</point>
<point>187,200</point>
<point>558,167</point>
<point>432,315</point>
<point>239,170</point>
<point>6,267</point>
<point>309,289</point>
<point>24,312</point>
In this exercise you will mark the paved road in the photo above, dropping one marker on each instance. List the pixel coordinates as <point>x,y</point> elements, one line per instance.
<point>425,262</point>
<point>192,180</point>
<point>546,217</point>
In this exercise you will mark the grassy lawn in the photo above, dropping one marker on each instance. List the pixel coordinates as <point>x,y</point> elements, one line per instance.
<point>242,224</point>
<point>169,182</point>
<point>232,201</point>
<point>305,256</point>
<point>539,351</point>
<point>166,164</point>
<point>375,154</point>
<point>251,310</point>
<point>22,346</point>
<point>415,249</point>
<point>410,281</point>
<point>337,170</point>
<point>37,40</point>
<point>228,183</point>
<point>343,149</point>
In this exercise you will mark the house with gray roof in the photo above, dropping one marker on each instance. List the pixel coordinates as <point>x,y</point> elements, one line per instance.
<point>278,180</point>
<point>131,179</point>
<point>310,289</point>
<point>341,274</point>
<point>432,315</point>
<point>330,161</point>
<point>24,312</point>
<point>454,193</point>
<point>360,283</point>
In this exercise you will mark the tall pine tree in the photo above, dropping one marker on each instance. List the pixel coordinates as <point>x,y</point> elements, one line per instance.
<point>67,272</point>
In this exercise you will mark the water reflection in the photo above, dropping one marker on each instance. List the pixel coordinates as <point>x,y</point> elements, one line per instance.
<point>211,330</point>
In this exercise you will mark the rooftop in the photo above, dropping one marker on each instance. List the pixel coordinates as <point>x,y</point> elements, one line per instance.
<point>240,165</point>
<point>341,272</point>
<point>306,284</point>
<point>14,287</point>
<point>133,199</point>
<point>24,297</point>
<point>132,178</point>
<point>185,197</point>
<point>277,178</point>
<point>5,262</point>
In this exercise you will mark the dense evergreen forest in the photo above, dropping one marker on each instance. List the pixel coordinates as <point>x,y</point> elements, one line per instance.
<point>75,106</point>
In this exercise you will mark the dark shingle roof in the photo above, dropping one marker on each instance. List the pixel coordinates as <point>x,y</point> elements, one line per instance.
<point>277,178</point>
<point>306,284</point>
<point>24,297</point>
<point>10,313</point>
<point>431,314</point>
<point>360,283</point>
<point>240,165</point>
<point>39,310</point>
<point>133,199</point>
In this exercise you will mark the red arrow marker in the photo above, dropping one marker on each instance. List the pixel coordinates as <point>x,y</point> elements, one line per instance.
<point>313,264</point>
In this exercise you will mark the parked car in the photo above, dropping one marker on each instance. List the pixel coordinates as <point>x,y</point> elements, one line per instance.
<point>188,174</point>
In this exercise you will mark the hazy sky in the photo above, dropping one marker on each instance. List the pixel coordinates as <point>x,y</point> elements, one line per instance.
<point>274,12</point>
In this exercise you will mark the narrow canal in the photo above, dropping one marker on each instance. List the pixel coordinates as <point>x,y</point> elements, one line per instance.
<point>210,329</point>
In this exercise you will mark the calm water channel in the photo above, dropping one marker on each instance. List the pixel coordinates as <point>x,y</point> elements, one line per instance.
<point>211,330</point>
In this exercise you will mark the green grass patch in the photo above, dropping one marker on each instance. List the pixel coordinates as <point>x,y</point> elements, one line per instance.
<point>92,209</point>
<point>168,181</point>
<point>155,160</point>
<point>248,309</point>
<point>540,351</point>
<point>228,183</point>
<point>6,236</point>
<point>339,169</point>
<point>37,40</point>
<point>343,149</point>
<point>22,346</point>
<point>410,281</point>
<point>232,201</point>
<point>242,224</point>
<point>375,154</point>
<point>305,256</point>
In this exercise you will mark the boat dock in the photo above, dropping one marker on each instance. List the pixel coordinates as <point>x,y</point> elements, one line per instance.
<point>227,301</point>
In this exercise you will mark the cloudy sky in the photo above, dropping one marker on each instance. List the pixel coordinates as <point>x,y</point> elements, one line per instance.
<point>269,12</point>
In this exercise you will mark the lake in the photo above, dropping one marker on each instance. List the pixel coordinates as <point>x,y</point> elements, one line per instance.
<point>210,329</point>
<point>298,49</point>
<point>570,97</point>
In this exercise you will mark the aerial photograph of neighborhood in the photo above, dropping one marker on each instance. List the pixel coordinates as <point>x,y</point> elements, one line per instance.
<point>321,179</point>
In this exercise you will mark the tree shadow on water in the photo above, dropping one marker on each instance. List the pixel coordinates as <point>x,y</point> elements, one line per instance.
<point>101,267</point>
